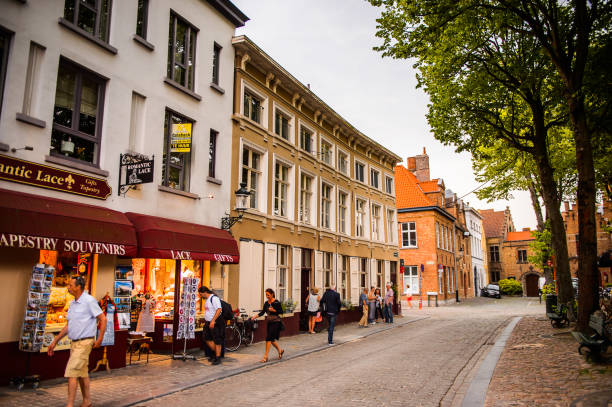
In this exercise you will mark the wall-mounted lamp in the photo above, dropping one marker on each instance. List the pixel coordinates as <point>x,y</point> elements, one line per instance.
<point>242,200</point>
<point>28,148</point>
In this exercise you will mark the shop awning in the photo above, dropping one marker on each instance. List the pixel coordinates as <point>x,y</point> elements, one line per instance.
<point>161,238</point>
<point>37,222</point>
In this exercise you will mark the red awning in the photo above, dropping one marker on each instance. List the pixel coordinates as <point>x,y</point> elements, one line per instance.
<point>161,238</point>
<point>37,222</point>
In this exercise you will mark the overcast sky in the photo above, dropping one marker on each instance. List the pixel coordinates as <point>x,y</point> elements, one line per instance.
<point>328,44</point>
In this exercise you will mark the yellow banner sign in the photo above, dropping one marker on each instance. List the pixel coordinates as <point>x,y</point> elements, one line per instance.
<point>180,138</point>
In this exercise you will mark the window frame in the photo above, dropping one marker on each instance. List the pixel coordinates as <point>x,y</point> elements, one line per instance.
<point>185,169</point>
<point>282,267</point>
<point>376,235</point>
<point>360,220</point>
<point>216,63</point>
<point>343,273</point>
<point>412,277</point>
<point>494,254</point>
<point>332,156</point>
<point>145,18</point>
<point>347,161</point>
<point>375,175</point>
<point>521,255</point>
<point>342,220</point>
<point>410,228</point>
<point>327,269</point>
<point>212,153</point>
<point>278,200</point>
<point>364,171</point>
<point>363,273</point>
<point>305,205</point>
<point>81,72</point>
<point>254,200</point>
<point>391,230</point>
<point>389,181</point>
<point>278,110</point>
<point>4,61</point>
<point>97,9</point>
<point>190,76</point>
<point>313,133</point>
<point>326,205</point>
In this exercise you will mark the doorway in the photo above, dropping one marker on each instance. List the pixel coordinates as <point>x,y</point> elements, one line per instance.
<point>531,285</point>
<point>306,281</point>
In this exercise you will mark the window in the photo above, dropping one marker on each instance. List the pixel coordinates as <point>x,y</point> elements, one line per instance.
<point>390,226</point>
<point>375,223</point>
<point>409,237</point>
<point>181,51</point>
<point>306,139</point>
<point>327,269</point>
<point>142,17</point>
<point>281,124</point>
<point>326,152</point>
<point>91,16</point>
<point>359,171</point>
<point>440,281</point>
<point>343,162</point>
<point>79,98</point>
<point>342,210</point>
<point>305,197</point>
<point>216,61</point>
<point>359,217</point>
<point>177,156</point>
<point>380,264</point>
<point>344,265</point>
<point>5,41</point>
<point>494,254</point>
<point>282,271</point>
<point>326,192</point>
<point>522,256</point>
<point>437,235</point>
<point>251,171</point>
<point>495,276</point>
<point>362,273</point>
<point>374,175</point>
<point>411,278</point>
<point>389,185</point>
<point>252,107</point>
<point>212,153</point>
<point>281,188</point>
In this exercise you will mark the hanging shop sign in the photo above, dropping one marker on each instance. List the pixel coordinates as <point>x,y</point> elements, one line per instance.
<point>180,138</point>
<point>134,169</point>
<point>31,173</point>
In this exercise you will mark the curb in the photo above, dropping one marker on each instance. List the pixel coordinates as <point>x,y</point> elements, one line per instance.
<point>247,369</point>
<point>477,391</point>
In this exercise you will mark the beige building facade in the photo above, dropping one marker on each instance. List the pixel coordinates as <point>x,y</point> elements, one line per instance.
<point>322,206</point>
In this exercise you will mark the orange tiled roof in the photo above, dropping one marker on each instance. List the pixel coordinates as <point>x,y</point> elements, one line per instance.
<point>430,186</point>
<point>408,194</point>
<point>493,222</point>
<point>517,236</point>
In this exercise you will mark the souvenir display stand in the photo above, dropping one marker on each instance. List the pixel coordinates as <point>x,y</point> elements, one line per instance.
<point>187,315</point>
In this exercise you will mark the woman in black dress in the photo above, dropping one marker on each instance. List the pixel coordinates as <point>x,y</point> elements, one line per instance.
<point>274,310</point>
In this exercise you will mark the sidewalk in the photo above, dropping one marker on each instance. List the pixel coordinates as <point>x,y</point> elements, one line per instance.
<point>540,366</point>
<point>137,383</point>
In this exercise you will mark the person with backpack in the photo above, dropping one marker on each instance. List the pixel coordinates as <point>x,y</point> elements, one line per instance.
<point>214,325</point>
<point>331,304</point>
<point>274,309</point>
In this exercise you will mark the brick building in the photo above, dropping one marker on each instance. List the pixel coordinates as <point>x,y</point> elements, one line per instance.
<point>604,239</point>
<point>432,233</point>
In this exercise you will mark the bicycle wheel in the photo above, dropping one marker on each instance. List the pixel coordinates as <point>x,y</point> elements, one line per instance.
<point>232,338</point>
<point>248,336</point>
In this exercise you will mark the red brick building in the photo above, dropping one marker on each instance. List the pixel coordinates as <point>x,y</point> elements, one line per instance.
<point>604,239</point>
<point>430,233</point>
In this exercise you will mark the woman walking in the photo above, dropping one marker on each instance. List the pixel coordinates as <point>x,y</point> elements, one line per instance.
<point>273,308</point>
<point>371,306</point>
<point>313,301</point>
<point>379,304</point>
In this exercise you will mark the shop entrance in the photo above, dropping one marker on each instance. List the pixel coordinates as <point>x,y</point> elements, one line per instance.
<point>531,284</point>
<point>306,279</point>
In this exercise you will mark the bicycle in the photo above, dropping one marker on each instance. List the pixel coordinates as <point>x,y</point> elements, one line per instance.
<point>240,330</point>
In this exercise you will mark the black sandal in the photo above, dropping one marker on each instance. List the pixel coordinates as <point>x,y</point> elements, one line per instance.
<point>264,360</point>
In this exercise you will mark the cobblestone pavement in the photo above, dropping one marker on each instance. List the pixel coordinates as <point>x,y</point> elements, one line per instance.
<point>414,365</point>
<point>540,366</point>
<point>414,362</point>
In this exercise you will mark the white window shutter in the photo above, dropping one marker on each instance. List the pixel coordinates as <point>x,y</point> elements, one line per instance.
<point>297,277</point>
<point>318,276</point>
<point>372,273</point>
<point>270,266</point>
<point>387,273</point>
<point>354,271</point>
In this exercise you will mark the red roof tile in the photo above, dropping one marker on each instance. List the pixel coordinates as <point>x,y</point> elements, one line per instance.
<point>408,194</point>
<point>493,222</point>
<point>430,186</point>
<point>518,236</point>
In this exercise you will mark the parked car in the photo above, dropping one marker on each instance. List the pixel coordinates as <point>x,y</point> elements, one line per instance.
<point>575,286</point>
<point>491,290</point>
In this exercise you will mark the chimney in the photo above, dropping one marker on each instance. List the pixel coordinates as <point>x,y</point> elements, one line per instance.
<point>411,161</point>
<point>566,206</point>
<point>422,167</point>
<point>526,229</point>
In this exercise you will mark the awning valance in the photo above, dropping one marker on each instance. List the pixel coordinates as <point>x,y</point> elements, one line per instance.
<point>37,222</point>
<point>163,238</point>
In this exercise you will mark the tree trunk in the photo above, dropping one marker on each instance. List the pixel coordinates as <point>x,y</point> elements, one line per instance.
<point>553,207</point>
<point>535,202</point>
<point>588,273</point>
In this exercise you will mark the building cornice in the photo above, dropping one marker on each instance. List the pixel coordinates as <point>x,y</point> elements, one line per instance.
<point>428,208</point>
<point>229,11</point>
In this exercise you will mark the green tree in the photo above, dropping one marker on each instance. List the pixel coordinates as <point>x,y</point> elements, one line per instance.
<point>542,250</point>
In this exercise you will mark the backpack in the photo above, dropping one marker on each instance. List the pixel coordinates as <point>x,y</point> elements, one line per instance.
<point>226,310</point>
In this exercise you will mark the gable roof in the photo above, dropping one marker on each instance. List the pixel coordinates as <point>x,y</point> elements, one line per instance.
<point>493,222</point>
<point>518,236</point>
<point>408,193</point>
<point>430,186</point>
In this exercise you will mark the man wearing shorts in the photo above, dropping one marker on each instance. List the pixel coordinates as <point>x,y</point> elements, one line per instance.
<point>214,325</point>
<point>84,314</point>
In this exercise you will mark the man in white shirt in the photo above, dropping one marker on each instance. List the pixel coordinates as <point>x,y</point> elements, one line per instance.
<point>84,315</point>
<point>214,326</point>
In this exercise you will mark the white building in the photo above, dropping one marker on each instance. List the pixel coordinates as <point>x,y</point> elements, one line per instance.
<point>473,221</point>
<point>82,83</point>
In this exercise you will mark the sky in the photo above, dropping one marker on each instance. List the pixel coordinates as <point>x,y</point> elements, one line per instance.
<point>328,45</point>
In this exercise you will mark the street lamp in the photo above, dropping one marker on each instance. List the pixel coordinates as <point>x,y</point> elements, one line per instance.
<point>242,200</point>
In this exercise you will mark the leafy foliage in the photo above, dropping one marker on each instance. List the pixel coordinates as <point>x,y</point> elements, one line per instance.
<point>542,246</point>
<point>510,287</point>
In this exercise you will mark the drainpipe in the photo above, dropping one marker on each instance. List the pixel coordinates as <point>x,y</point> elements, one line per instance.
<point>455,256</point>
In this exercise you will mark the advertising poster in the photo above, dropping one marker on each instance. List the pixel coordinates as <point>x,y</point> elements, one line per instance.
<point>187,308</point>
<point>180,138</point>
<point>109,334</point>
<point>167,333</point>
